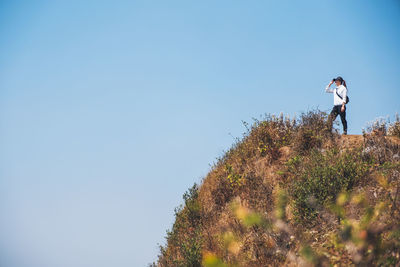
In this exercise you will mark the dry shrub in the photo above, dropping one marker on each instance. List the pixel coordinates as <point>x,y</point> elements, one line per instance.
<point>394,128</point>
<point>270,134</point>
<point>377,145</point>
<point>312,131</point>
<point>263,139</point>
<point>377,127</point>
<point>257,193</point>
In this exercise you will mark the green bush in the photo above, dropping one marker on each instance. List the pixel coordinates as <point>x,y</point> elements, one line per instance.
<point>235,179</point>
<point>319,178</point>
<point>184,239</point>
<point>192,205</point>
<point>191,249</point>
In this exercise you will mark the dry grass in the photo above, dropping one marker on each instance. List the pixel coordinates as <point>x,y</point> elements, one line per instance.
<point>253,173</point>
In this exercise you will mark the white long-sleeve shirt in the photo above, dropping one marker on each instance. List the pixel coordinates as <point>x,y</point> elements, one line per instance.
<point>342,91</point>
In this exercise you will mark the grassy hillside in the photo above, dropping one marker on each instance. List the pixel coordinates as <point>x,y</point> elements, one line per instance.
<point>292,193</point>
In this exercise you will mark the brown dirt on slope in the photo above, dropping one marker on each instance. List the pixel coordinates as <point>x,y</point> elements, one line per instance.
<point>354,140</point>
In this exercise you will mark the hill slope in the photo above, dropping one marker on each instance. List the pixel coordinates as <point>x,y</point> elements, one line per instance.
<point>292,193</point>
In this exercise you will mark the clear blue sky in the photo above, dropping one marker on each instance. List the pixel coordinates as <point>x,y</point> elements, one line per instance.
<point>111,110</point>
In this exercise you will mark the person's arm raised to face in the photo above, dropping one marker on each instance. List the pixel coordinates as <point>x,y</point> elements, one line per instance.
<point>327,88</point>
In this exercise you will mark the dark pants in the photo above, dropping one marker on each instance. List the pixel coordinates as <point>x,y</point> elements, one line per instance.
<point>336,110</point>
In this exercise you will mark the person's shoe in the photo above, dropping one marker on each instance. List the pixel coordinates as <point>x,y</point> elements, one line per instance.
<point>345,133</point>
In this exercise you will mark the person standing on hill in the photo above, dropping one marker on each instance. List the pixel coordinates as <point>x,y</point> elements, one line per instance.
<point>340,99</point>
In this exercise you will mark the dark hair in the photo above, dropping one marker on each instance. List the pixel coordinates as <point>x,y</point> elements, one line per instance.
<point>344,83</point>
<point>341,80</point>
